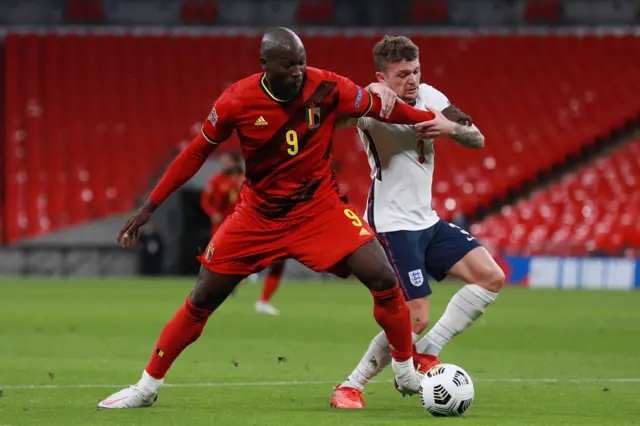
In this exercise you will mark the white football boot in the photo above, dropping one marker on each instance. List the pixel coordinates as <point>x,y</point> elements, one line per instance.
<point>142,394</point>
<point>266,308</point>
<point>407,379</point>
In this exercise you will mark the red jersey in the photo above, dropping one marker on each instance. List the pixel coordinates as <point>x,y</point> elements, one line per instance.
<point>221,195</point>
<point>286,143</point>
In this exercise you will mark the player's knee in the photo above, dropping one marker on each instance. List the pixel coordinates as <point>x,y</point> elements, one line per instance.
<point>276,268</point>
<point>212,289</point>
<point>387,279</point>
<point>383,279</point>
<point>493,279</point>
<point>199,298</point>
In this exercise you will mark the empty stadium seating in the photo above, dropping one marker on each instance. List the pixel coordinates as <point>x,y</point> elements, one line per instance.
<point>543,11</point>
<point>428,11</point>
<point>594,209</point>
<point>315,11</point>
<point>85,136</point>
<point>84,11</point>
<point>198,11</point>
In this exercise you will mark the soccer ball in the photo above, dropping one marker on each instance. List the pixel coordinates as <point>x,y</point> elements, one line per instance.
<point>446,391</point>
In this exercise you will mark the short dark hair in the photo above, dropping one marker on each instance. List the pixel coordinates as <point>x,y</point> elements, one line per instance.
<point>392,49</point>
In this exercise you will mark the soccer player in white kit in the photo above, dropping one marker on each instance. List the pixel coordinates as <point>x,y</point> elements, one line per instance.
<point>417,242</point>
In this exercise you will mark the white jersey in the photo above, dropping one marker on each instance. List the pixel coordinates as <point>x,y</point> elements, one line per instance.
<point>401,170</point>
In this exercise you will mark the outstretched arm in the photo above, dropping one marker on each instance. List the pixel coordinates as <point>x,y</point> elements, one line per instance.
<point>400,114</point>
<point>357,102</point>
<point>388,97</point>
<point>215,129</point>
<point>182,168</point>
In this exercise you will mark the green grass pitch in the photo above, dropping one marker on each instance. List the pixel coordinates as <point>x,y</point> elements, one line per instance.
<point>537,357</point>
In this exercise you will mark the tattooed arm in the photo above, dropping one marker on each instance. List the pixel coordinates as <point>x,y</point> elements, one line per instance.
<point>468,136</point>
<point>453,123</point>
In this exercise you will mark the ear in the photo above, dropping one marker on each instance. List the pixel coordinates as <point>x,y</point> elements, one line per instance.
<point>380,77</point>
<point>263,64</point>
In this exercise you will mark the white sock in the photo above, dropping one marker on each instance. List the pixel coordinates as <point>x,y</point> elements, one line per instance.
<point>149,383</point>
<point>376,359</point>
<point>466,306</point>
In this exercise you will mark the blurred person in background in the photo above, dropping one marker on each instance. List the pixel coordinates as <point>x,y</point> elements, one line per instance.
<point>219,200</point>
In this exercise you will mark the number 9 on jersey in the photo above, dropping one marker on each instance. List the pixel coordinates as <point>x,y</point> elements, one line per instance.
<point>292,140</point>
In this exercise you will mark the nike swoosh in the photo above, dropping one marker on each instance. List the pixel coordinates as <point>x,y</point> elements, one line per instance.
<point>469,238</point>
<point>113,401</point>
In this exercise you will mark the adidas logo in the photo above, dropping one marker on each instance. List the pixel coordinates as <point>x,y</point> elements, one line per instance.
<point>261,121</point>
<point>364,232</point>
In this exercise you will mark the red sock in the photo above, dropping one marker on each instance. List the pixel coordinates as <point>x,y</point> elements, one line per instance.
<point>184,328</point>
<point>272,281</point>
<point>392,314</point>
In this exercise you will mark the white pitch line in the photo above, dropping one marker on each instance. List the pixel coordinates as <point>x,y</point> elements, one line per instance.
<point>309,383</point>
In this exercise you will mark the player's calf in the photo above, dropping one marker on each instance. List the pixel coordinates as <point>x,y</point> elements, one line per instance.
<point>370,265</point>
<point>420,321</point>
<point>378,355</point>
<point>419,309</point>
<point>483,276</point>
<point>183,329</point>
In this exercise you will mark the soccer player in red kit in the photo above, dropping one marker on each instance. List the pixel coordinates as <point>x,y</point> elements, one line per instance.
<point>219,200</point>
<point>290,206</point>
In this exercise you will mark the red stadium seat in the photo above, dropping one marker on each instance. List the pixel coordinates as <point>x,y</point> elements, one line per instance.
<point>189,11</point>
<point>156,89</point>
<point>209,12</point>
<point>592,209</point>
<point>85,11</point>
<point>429,11</point>
<point>315,11</point>
<point>198,11</point>
<point>546,11</point>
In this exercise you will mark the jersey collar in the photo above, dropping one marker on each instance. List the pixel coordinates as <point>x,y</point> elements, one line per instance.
<point>265,89</point>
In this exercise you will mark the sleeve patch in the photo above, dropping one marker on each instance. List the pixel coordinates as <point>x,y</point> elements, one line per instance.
<point>358,100</point>
<point>369,105</point>
<point>213,116</point>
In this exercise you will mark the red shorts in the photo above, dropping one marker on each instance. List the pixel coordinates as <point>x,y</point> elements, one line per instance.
<point>246,242</point>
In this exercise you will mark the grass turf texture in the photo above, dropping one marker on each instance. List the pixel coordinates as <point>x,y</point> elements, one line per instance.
<point>101,332</point>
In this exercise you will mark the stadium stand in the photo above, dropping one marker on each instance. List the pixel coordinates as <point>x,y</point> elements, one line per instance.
<point>84,11</point>
<point>198,11</point>
<point>543,11</point>
<point>315,11</point>
<point>428,11</point>
<point>154,88</point>
<point>593,209</point>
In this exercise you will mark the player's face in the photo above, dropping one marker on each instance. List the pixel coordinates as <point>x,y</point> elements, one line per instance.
<point>403,78</point>
<point>286,70</point>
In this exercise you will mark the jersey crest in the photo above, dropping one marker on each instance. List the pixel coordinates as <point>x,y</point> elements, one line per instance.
<point>416,277</point>
<point>313,117</point>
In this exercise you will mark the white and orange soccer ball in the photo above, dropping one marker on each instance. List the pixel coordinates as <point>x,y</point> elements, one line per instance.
<point>446,391</point>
